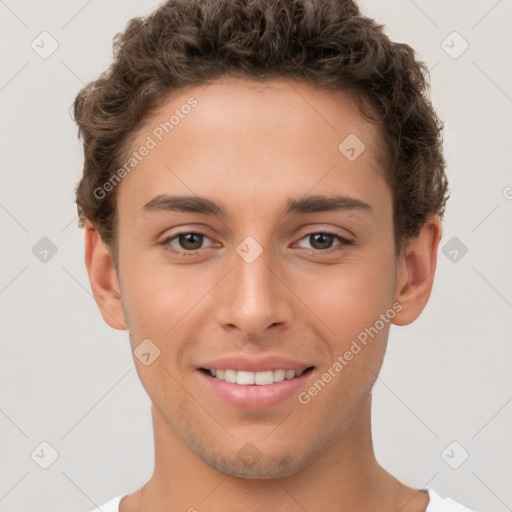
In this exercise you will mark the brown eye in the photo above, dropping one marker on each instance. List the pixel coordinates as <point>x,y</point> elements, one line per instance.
<point>324,242</point>
<point>190,241</point>
<point>186,243</point>
<point>321,240</point>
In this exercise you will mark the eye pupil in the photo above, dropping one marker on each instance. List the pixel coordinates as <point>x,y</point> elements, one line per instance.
<point>191,241</point>
<point>324,240</point>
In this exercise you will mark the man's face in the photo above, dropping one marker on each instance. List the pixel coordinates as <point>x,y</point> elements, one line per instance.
<point>306,297</point>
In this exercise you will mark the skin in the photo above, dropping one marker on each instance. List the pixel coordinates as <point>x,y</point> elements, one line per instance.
<point>250,146</point>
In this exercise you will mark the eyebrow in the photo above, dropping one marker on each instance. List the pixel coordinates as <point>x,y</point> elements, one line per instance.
<point>317,203</point>
<point>307,204</point>
<point>192,204</point>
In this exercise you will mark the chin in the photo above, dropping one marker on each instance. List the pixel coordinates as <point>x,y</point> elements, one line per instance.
<point>259,468</point>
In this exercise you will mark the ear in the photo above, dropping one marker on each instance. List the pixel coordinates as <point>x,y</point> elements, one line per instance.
<point>416,268</point>
<point>103,278</point>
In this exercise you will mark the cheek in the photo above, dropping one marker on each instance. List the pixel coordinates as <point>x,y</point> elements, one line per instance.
<point>354,302</point>
<point>156,293</point>
<point>350,297</point>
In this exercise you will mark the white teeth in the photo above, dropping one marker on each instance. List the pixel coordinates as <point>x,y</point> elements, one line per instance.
<point>265,378</point>
<point>279,375</point>
<point>230,376</point>
<point>289,374</point>
<point>245,378</point>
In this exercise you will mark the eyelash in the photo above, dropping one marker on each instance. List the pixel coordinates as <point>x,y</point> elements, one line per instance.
<point>339,248</point>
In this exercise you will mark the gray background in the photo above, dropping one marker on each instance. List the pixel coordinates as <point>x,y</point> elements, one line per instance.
<point>68,379</point>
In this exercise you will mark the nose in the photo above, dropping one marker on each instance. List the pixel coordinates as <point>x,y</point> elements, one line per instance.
<point>253,298</point>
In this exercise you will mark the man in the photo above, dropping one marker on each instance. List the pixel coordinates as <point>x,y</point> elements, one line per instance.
<point>262,198</point>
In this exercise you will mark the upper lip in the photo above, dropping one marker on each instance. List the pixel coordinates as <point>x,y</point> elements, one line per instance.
<point>254,364</point>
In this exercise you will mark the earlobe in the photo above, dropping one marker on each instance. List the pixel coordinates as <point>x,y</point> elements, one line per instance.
<point>103,279</point>
<point>415,271</point>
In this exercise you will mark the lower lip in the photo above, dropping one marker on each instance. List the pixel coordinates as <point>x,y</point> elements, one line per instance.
<point>255,397</point>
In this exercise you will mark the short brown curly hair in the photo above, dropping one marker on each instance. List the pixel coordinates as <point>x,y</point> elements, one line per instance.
<point>328,44</point>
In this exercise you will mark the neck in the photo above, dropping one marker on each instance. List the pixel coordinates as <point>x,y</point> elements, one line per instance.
<point>344,477</point>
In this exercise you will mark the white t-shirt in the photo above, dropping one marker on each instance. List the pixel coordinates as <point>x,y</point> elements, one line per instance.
<point>436,504</point>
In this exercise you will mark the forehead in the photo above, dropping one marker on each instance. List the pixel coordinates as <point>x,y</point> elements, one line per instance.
<point>241,140</point>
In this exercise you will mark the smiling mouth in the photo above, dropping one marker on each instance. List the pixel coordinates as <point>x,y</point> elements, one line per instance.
<point>265,378</point>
